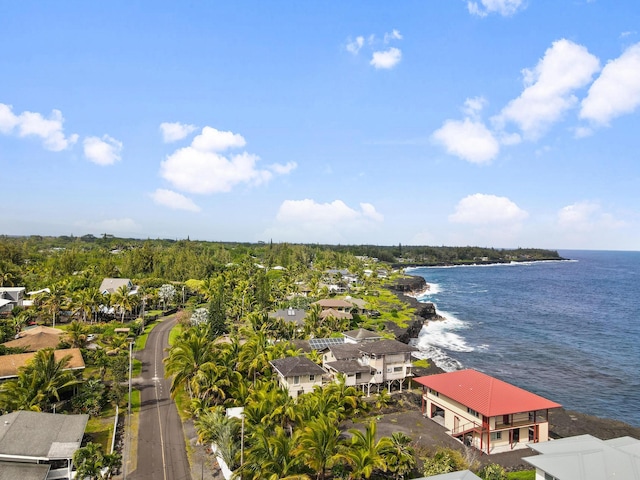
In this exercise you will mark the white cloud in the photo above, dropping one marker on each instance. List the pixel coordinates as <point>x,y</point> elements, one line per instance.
<point>369,211</point>
<point>354,46</point>
<point>173,200</point>
<point>8,120</point>
<point>334,222</point>
<point>482,209</point>
<point>394,35</point>
<point>50,130</point>
<point>386,59</point>
<point>468,139</point>
<point>549,88</point>
<point>172,132</point>
<point>586,216</point>
<point>201,168</point>
<point>283,169</point>
<point>102,151</point>
<point>213,140</point>
<point>502,7</point>
<point>473,106</point>
<point>616,91</point>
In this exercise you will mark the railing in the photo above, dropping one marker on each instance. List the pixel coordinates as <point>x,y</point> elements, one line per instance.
<point>467,427</point>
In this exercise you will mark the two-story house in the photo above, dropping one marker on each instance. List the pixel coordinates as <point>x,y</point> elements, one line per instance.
<point>390,359</point>
<point>484,412</point>
<point>298,374</point>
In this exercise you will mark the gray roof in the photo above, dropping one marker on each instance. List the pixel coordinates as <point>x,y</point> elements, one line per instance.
<point>290,315</point>
<point>461,475</point>
<point>292,366</point>
<point>585,457</point>
<point>23,471</point>
<point>110,285</point>
<point>348,366</point>
<point>386,347</point>
<point>42,435</point>
<point>362,334</point>
<point>345,351</point>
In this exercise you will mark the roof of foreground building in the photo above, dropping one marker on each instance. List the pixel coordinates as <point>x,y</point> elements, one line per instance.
<point>485,394</point>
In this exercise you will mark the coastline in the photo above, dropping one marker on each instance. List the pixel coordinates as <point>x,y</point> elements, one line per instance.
<point>563,422</point>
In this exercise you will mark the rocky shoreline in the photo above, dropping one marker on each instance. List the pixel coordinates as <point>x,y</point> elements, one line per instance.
<point>563,423</point>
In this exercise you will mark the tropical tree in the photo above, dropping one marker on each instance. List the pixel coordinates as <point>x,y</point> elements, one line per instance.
<point>76,333</point>
<point>123,298</point>
<point>166,293</point>
<point>364,453</point>
<point>445,460</point>
<point>187,356</point>
<point>493,471</point>
<point>38,384</point>
<point>53,300</point>
<point>91,462</point>
<point>270,456</point>
<point>318,444</point>
<point>399,455</point>
<point>213,426</point>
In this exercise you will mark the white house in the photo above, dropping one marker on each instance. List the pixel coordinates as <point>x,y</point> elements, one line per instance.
<point>298,374</point>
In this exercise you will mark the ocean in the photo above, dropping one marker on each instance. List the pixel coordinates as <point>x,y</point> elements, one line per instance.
<point>566,330</point>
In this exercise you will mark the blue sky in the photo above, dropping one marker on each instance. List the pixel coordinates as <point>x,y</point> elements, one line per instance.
<point>504,123</point>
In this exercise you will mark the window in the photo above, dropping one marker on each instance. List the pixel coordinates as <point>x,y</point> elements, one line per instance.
<point>434,393</point>
<point>397,369</point>
<point>549,477</point>
<point>473,412</point>
<point>296,380</point>
<point>496,436</point>
<point>312,378</point>
<point>358,376</point>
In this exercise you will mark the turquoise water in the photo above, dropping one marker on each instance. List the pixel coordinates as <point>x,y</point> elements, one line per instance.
<point>569,331</point>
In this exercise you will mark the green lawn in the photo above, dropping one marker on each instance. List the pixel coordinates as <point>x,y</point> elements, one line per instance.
<point>524,475</point>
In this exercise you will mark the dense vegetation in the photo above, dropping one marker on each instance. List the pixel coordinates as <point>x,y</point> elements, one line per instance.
<point>220,357</point>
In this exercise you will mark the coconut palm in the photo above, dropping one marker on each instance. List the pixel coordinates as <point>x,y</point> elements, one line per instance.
<point>76,333</point>
<point>123,299</point>
<point>187,356</point>
<point>53,300</point>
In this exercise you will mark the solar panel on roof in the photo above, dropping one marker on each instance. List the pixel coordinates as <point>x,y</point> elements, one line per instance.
<point>320,343</point>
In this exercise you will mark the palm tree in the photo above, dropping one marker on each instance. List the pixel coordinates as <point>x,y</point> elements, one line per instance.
<point>53,300</point>
<point>399,456</point>
<point>186,358</point>
<point>77,334</point>
<point>90,460</point>
<point>365,453</point>
<point>213,426</point>
<point>318,444</point>
<point>271,456</point>
<point>123,299</point>
<point>39,383</point>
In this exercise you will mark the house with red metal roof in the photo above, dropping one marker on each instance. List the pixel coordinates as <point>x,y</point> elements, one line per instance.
<point>484,412</point>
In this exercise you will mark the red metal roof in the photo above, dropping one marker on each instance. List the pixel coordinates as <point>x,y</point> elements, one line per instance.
<point>484,394</point>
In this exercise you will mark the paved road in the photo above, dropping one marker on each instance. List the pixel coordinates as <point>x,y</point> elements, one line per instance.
<point>162,453</point>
